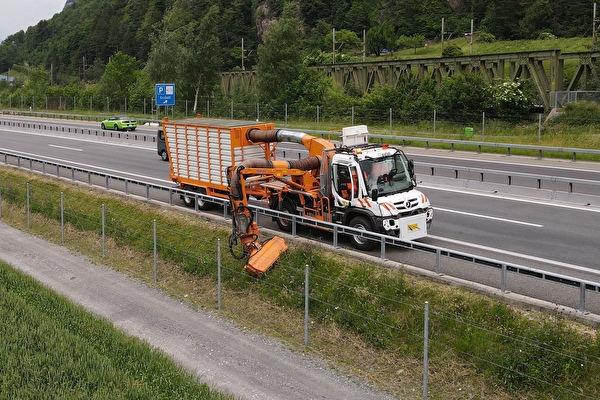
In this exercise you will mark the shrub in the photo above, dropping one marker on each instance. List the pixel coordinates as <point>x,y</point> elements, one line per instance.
<point>485,37</point>
<point>579,113</point>
<point>452,50</point>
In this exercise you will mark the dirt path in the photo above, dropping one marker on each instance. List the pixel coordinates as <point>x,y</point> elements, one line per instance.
<point>248,365</point>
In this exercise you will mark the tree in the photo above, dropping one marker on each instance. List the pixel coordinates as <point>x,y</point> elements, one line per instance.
<point>280,57</point>
<point>380,37</point>
<point>345,40</point>
<point>119,77</point>
<point>463,94</point>
<point>187,51</point>
<point>201,55</point>
<point>405,42</point>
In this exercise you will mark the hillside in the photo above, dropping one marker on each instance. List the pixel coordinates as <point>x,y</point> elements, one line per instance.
<point>78,42</point>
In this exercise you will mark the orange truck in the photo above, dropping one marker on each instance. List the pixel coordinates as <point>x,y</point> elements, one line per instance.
<point>354,183</point>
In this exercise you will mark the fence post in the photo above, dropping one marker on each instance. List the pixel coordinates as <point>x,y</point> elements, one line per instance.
<point>317,114</point>
<point>218,274</point>
<point>28,216</point>
<point>62,217</point>
<point>426,350</point>
<point>306,305</point>
<point>154,250</point>
<point>103,236</point>
<point>483,127</point>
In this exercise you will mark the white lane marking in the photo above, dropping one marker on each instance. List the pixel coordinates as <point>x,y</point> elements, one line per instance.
<point>149,145</point>
<point>520,199</point>
<point>64,147</point>
<point>520,255</point>
<point>512,221</point>
<point>571,167</point>
<point>92,167</point>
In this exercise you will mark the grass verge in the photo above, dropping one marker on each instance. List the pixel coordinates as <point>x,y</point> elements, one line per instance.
<point>50,348</point>
<point>365,319</point>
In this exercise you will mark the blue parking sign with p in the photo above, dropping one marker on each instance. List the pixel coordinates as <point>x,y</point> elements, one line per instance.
<point>165,94</point>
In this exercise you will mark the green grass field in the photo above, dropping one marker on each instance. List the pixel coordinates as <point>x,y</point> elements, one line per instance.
<point>52,349</point>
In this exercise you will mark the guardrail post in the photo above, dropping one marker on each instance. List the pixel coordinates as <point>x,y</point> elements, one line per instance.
<point>582,298</point>
<point>335,236</point>
<point>438,261</point>
<point>382,253</point>
<point>294,226</point>
<point>503,279</point>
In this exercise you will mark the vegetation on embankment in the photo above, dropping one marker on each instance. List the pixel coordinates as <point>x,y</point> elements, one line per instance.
<point>367,319</point>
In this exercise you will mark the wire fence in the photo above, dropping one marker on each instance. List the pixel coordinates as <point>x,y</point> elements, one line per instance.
<point>372,302</point>
<point>241,109</point>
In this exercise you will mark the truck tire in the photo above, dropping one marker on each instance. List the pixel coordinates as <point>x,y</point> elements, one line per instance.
<point>164,156</point>
<point>361,243</point>
<point>287,206</point>
<point>188,200</point>
<point>202,204</point>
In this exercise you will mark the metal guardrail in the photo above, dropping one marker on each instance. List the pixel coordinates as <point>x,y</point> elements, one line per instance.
<point>585,286</point>
<point>539,179</point>
<point>452,143</point>
<point>540,150</point>
<point>48,126</point>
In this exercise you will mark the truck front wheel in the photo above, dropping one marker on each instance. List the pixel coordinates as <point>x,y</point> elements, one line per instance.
<point>359,242</point>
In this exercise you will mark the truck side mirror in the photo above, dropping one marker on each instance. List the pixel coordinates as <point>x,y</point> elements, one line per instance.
<point>411,167</point>
<point>374,194</point>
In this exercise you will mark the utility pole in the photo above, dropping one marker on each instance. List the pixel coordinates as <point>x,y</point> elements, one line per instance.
<point>364,46</point>
<point>442,35</point>
<point>595,27</point>
<point>333,46</point>
<point>471,42</point>
<point>243,68</point>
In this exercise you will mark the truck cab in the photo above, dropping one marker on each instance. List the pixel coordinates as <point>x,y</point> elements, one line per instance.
<point>373,188</point>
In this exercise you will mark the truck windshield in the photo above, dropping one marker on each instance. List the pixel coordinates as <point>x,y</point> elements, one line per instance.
<point>388,175</point>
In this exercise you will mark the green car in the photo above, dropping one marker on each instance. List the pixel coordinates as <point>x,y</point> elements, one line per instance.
<point>119,123</point>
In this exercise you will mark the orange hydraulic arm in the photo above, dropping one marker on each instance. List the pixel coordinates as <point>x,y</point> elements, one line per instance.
<point>262,255</point>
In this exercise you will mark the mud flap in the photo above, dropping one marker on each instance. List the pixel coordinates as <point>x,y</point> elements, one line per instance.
<point>261,260</point>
